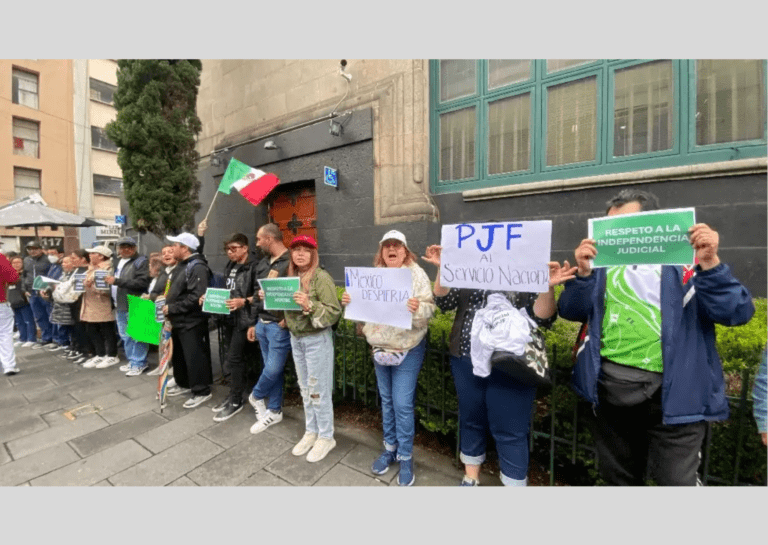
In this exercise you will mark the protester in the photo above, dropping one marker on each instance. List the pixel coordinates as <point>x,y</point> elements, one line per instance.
<point>25,320</point>
<point>191,346</point>
<point>760,398</point>
<point>37,264</point>
<point>652,409</point>
<point>398,355</point>
<point>239,274</point>
<point>61,313</point>
<point>97,313</point>
<point>312,346</point>
<point>8,275</point>
<point>131,278</point>
<point>82,348</point>
<point>495,403</point>
<point>158,290</point>
<point>272,333</point>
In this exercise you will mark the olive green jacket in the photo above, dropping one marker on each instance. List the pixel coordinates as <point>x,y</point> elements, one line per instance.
<point>325,307</point>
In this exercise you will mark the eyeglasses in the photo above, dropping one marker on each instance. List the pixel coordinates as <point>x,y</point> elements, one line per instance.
<point>234,248</point>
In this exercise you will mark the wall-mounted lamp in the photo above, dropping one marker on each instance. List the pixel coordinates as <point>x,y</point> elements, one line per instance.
<point>216,157</point>
<point>335,129</point>
<point>270,144</point>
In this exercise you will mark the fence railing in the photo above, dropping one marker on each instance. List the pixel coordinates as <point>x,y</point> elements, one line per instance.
<point>560,423</point>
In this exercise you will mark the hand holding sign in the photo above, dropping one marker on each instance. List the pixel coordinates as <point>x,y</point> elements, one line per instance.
<point>584,254</point>
<point>705,242</point>
<point>379,295</point>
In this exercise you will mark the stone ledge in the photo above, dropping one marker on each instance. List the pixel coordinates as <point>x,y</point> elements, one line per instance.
<point>689,172</point>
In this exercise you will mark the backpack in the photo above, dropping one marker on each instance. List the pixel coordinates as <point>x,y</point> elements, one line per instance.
<point>215,280</point>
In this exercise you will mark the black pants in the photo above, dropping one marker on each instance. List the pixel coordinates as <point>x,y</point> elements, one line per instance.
<point>192,358</point>
<point>236,363</point>
<point>631,440</point>
<point>80,341</point>
<point>103,337</point>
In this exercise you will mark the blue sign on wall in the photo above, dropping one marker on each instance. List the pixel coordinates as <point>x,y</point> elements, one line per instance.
<point>120,220</point>
<point>331,177</point>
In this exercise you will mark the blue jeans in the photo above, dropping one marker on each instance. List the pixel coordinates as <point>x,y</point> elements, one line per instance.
<point>25,321</point>
<point>42,311</point>
<point>501,405</point>
<point>397,389</point>
<point>313,356</point>
<point>61,334</point>
<point>274,342</point>
<point>135,351</point>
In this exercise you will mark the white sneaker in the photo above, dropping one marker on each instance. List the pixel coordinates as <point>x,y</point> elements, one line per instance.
<point>50,346</point>
<point>125,368</point>
<point>194,401</point>
<point>93,362</point>
<point>172,382</point>
<point>306,443</point>
<point>28,344</point>
<point>321,449</point>
<point>17,335</point>
<point>269,419</point>
<point>108,361</point>
<point>37,346</point>
<point>154,372</point>
<point>18,343</point>
<point>11,371</point>
<point>258,406</point>
<point>176,390</point>
<point>135,372</point>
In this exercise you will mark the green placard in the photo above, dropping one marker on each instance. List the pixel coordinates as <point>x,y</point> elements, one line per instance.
<point>214,301</point>
<point>142,326</point>
<point>278,293</point>
<point>646,238</point>
<point>39,284</point>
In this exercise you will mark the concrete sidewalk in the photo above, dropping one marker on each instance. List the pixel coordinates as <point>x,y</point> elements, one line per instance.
<point>62,425</point>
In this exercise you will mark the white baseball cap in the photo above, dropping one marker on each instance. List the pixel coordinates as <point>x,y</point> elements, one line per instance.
<point>103,250</point>
<point>187,239</point>
<point>394,235</point>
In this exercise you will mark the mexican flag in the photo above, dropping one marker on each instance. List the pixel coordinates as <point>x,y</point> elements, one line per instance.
<point>252,183</point>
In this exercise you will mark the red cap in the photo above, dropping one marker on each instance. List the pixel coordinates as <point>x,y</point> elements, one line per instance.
<point>305,240</point>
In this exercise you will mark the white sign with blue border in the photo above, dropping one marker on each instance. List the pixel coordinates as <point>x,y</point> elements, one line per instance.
<point>331,177</point>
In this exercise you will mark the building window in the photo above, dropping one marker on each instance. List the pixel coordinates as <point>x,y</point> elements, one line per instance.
<point>102,92</point>
<point>26,137</point>
<point>24,88</point>
<point>106,185</point>
<point>497,122</point>
<point>99,140</point>
<point>25,181</point>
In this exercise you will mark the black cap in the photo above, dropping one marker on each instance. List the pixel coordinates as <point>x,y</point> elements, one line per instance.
<point>33,244</point>
<point>126,241</point>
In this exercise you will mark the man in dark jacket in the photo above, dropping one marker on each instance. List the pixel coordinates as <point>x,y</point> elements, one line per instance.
<point>272,333</point>
<point>191,345</point>
<point>649,364</point>
<point>240,280</point>
<point>131,278</point>
<point>36,264</point>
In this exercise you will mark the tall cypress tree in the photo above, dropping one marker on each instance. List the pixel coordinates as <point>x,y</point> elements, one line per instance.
<point>156,129</point>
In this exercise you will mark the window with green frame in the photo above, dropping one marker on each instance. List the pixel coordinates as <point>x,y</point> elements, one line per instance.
<point>500,122</point>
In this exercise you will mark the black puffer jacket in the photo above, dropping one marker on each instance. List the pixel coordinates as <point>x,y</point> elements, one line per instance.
<point>134,280</point>
<point>241,280</point>
<point>189,280</point>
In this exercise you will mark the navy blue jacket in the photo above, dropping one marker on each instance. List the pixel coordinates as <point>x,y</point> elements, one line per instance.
<point>692,387</point>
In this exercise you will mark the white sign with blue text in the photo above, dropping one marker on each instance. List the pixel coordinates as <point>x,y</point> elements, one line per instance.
<point>379,295</point>
<point>507,256</point>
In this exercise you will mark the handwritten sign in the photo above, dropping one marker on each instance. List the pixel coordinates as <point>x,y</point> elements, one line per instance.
<point>79,284</point>
<point>215,301</point>
<point>100,280</point>
<point>278,293</point>
<point>658,237</point>
<point>159,304</point>
<point>379,295</point>
<point>142,326</point>
<point>508,256</point>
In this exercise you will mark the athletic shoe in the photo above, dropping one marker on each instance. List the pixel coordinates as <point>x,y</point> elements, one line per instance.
<point>18,343</point>
<point>176,390</point>
<point>108,361</point>
<point>80,360</point>
<point>154,372</point>
<point>258,406</point>
<point>265,422</point>
<point>125,368</point>
<point>229,411</point>
<point>306,443</point>
<point>381,464</point>
<point>75,355</point>
<point>93,362</point>
<point>172,382</point>
<point>406,476</point>
<point>11,371</point>
<point>467,481</point>
<point>321,449</point>
<point>50,346</point>
<point>17,335</point>
<point>37,346</point>
<point>135,371</point>
<point>56,348</point>
<point>194,401</point>
<point>221,406</point>
<point>28,344</point>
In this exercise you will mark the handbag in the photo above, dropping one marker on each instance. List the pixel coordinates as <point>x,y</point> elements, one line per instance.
<point>531,367</point>
<point>65,292</point>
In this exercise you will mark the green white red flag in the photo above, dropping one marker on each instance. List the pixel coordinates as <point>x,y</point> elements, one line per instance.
<point>251,183</point>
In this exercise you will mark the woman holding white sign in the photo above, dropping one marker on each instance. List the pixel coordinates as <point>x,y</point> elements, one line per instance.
<point>97,312</point>
<point>398,355</point>
<point>312,345</point>
<point>495,403</point>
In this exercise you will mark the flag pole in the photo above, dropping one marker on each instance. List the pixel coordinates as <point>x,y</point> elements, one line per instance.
<point>211,207</point>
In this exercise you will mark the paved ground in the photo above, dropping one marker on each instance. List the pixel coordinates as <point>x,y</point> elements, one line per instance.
<point>62,425</point>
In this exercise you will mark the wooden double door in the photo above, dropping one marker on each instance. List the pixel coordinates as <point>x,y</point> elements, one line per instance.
<point>293,207</point>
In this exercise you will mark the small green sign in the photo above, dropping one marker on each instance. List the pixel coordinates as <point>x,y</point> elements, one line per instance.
<point>39,283</point>
<point>278,293</point>
<point>215,301</point>
<point>142,326</point>
<point>659,237</point>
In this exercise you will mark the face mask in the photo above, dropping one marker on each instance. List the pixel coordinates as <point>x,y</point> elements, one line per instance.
<point>53,259</point>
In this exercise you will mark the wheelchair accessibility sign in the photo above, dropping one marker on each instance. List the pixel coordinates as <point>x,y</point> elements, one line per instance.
<point>331,177</point>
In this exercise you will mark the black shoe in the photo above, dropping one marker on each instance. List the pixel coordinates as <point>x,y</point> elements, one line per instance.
<point>229,411</point>
<point>221,406</point>
<point>74,355</point>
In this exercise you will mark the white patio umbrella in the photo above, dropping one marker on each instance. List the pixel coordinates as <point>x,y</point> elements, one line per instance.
<point>27,213</point>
